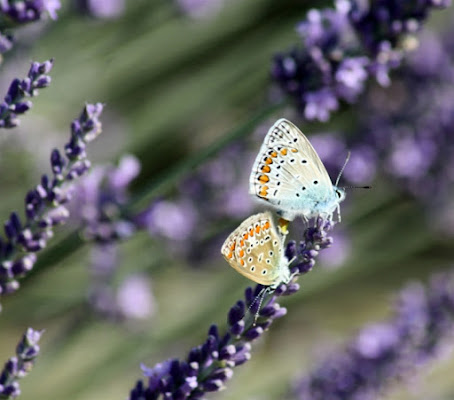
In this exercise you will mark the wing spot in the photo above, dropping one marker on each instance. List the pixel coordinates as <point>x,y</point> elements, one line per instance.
<point>284,152</point>
<point>315,182</point>
<point>242,263</point>
<point>264,271</point>
<point>295,140</point>
<point>292,161</point>
<point>253,268</point>
<point>268,160</point>
<point>278,183</point>
<point>249,260</point>
<point>294,151</point>
<point>266,168</point>
<point>303,161</point>
<point>275,193</point>
<point>268,261</point>
<point>271,253</point>
<point>304,187</point>
<point>297,195</point>
<point>275,243</point>
<point>263,179</point>
<point>248,250</point>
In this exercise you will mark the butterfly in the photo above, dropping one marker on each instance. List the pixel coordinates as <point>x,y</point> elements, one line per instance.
<point>256,250</point>
<point>289,175</point>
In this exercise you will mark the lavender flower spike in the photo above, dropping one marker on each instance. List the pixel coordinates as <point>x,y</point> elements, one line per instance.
<point>209,366</point>
<point>343,47</point>
<point>421,328</point>
<point>15,102</point>
<point>18,12</point>
<point>45,204</point>
<point>19,366</point>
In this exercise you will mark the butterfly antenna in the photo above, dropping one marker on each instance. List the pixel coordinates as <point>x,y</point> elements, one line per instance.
<point>343,167</point>
<point>260,296</point>
<point>356,187</point>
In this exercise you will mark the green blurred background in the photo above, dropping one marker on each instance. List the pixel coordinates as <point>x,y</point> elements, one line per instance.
<point>173,86</point>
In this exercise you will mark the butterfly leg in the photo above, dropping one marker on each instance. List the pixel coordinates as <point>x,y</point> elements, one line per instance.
<point>338,213</point>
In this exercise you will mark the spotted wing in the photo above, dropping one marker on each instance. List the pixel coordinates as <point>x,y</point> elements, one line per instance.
<point>255,250</point>
<point>288,173</point>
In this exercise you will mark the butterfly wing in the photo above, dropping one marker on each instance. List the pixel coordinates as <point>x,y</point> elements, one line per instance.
<point>255,250</point>
<point>289,174</point>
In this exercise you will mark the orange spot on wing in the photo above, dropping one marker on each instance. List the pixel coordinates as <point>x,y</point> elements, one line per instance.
<point>230,255</point>
<point>263,192</point>
<point>242,243</point>
<point>241,253</point>
<point>284,152</point>
<point>266,169</point>
<point>245,236</point>
<point>273,154</point>
<point>257,229</point>
<point>267,225</point>
<point>242,262</point>
<point>251,232</point>
<point>294,151</point>
<point>264,179</point>
<point>268,160</point>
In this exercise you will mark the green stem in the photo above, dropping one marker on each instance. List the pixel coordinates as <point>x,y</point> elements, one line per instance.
<point>173,174</point>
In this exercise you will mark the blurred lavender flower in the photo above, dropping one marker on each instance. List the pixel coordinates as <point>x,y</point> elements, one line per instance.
<point>18,12</point>
<point>209,366</point>
<point>100,200</point>
<point>14,102</point>
<point>200,8</point>
<point>220,187</point>
<point>131,300</point>
<point>99,206</point>
<point>45,205</point>
<point>19,366</point>
<point>102,9</point>
<point>343,47</point>
<point>421,329</point>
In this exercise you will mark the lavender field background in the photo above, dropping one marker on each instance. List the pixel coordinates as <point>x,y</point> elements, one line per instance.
<point>189,90</point>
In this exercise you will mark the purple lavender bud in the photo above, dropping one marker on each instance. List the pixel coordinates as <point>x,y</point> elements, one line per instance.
<point>224,374</point>
<point>253,333</point>
<point>57,162</point>
<point>22,266</point>
<point>237,328</point>
<point>213,385</point>
<point>227,352</point>
<point>249,296</point>
<point>11,366</point>
<point>6,43</point>
<point>269,310</point>
<point>291,288</point>
<point>11,391</point>
<point>22,107</point>
<point>304,267</point>
<point>42,82</point>
<point>236,313</point>
<point>78,169</point>
<point>45,67</point>
<point>281,289</point>
<point>243,354</point>
<point>290,250</point>
<point>213,331</point>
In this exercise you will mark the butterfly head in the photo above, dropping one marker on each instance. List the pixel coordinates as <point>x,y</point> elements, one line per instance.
<point>340,194</point>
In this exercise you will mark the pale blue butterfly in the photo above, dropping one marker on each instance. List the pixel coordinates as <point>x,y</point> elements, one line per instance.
<point>289,175</point>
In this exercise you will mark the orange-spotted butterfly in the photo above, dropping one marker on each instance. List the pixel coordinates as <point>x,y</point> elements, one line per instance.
<point>256,250</point>
<point>289,175</point>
